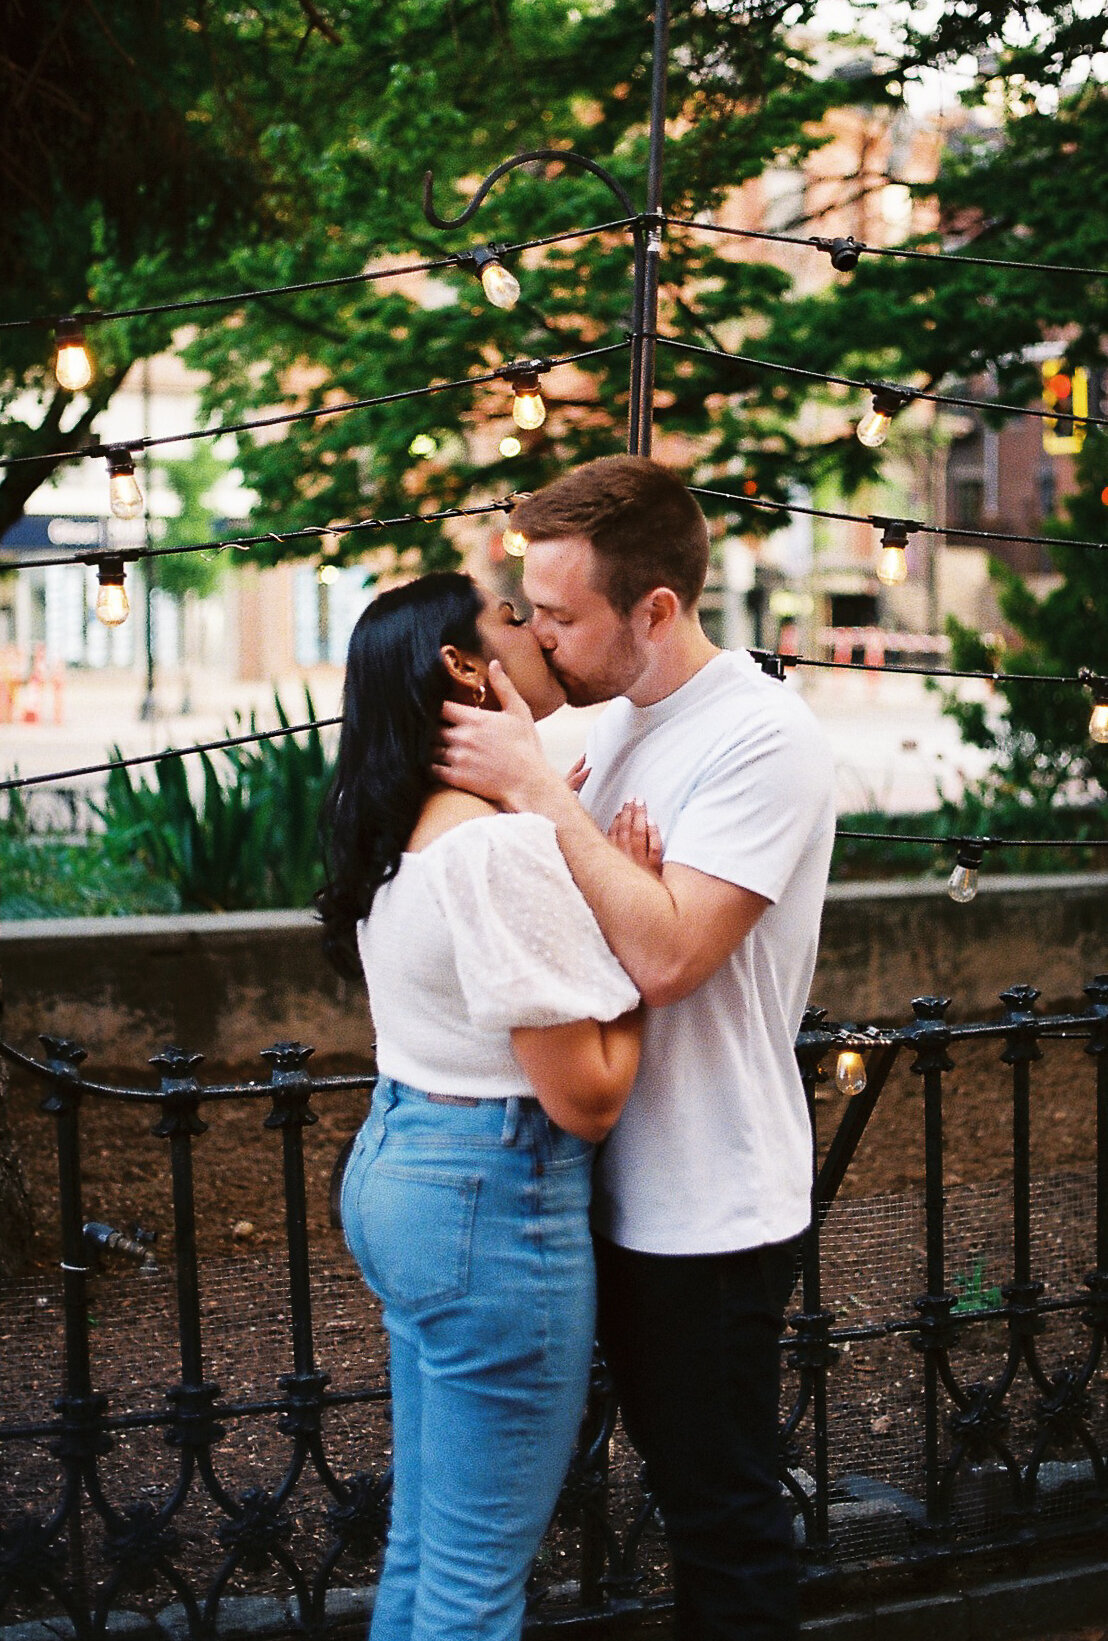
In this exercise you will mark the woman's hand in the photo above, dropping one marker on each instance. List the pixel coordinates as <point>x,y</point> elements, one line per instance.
<point>578,775</point>
<point>635,835</point>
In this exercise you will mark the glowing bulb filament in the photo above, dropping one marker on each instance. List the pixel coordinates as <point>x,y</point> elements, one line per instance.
<point>892,566</point>
<point>850,1072</point>
<point>112,604</point>
<point>72,364</point>
<point>514,542</point>
<point>873,429</point>
<point>528,410</point>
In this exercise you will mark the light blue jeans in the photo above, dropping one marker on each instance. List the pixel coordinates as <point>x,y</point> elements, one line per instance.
<point>471,1223</point>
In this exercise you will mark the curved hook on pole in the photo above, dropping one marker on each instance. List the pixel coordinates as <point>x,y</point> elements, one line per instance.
<point>638,421</point>
<point>565,155</point>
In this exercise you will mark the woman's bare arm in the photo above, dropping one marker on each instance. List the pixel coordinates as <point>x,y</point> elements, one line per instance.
<point>582,1072</point>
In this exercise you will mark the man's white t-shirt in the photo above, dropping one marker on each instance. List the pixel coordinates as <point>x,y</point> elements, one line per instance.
<point>713,1152</point>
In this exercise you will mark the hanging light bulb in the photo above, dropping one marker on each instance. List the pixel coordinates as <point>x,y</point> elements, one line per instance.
<point>510,445</point>
<point>126,497</point>
<point>1098,723</point>
<point>112,604</point>
<point>892,566</point>
<point>500,286</point>
<point>962,883</point>
<point>873,429</point>
<point>528,410</point>
<point>850,1072</point>
<point>72,363</point>
<point>514,542</point>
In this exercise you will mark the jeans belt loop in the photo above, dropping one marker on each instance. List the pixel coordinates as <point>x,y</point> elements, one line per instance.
<point>511,1120</point>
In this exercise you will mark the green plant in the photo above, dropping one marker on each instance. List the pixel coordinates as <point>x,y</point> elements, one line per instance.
<point>51,877</point>
<point>246,837</point>
<point>973,1295</point>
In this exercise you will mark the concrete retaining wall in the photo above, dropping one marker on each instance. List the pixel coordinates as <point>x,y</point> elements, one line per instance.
<point>227,985</point>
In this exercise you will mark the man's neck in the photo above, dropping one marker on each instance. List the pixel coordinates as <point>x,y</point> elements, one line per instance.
<point>684,653</point>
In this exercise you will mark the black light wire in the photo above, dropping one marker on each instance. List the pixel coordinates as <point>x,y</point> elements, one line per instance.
<point>818,242</point>
<point>283,419</point>
<point>95,316</point>
<point>879,520</point>
<point>22,781</point>
<point>131,555</point>
<point>458,259</point>
<point>909,393</point>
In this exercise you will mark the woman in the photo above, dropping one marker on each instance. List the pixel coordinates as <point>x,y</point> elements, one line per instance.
<point>507,1041</point>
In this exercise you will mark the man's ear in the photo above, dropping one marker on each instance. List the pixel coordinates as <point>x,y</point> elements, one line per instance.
<point>466,670</point>
<point>661,607</point>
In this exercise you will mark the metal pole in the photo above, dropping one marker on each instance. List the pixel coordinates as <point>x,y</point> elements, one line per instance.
<point>147,711</point>
<point>643,414</point>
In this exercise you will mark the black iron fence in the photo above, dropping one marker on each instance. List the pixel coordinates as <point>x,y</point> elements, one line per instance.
<point>945,1368</point>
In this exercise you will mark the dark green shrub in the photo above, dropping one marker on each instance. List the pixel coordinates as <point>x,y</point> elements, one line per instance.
<point>244,836</point>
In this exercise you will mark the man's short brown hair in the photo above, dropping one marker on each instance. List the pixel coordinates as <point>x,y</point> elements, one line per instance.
<point>644,527</point>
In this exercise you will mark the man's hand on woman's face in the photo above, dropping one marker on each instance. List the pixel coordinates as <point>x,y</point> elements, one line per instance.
<point>637,837</point>
<point>497,755</point>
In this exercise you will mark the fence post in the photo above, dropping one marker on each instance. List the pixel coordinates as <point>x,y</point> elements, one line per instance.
<point>930,1036</point>
<point>193,1426</point>
<point>812,1352</point>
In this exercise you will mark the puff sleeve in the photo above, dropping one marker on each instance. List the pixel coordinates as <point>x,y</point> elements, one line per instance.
<point>528,950</point>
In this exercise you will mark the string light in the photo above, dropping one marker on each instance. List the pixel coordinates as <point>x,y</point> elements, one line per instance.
<point>961,531</point>
<point>112,604</point>
<point>366,276</point>
<point>510,445</point>
<point>992,406</point>
<point>72,362</point>
<point>843,247</point>
<point>873,429</point>
<point>123,489</point>
<point>528,410</point>
<point>500,286</point>
<point>892,566</point>
<point>1098,723</point>
<point>850,1072</point>
<point>514,542</point>
<point>962,883</point>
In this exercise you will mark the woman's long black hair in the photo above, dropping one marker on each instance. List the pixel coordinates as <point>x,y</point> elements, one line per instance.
<point>395,687</point>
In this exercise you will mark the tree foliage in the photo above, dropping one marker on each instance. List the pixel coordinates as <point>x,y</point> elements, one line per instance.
<point>1019,183</point>
<point>190,147</point>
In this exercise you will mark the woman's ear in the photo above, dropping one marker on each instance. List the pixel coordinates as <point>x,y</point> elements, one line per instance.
<point>467,671</point>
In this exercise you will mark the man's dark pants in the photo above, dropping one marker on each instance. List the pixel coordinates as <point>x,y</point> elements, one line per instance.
<point>692,1344</point>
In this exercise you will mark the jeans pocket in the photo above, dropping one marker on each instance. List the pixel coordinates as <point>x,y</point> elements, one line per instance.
<point>418,1225</point>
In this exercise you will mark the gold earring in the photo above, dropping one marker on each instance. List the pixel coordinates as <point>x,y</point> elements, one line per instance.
<point>479,694</point>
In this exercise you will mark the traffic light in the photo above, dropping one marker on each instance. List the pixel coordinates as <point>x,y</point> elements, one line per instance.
<point>1066,393</point>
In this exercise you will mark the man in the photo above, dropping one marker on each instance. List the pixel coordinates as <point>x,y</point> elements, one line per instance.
<point>704,1185</point>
